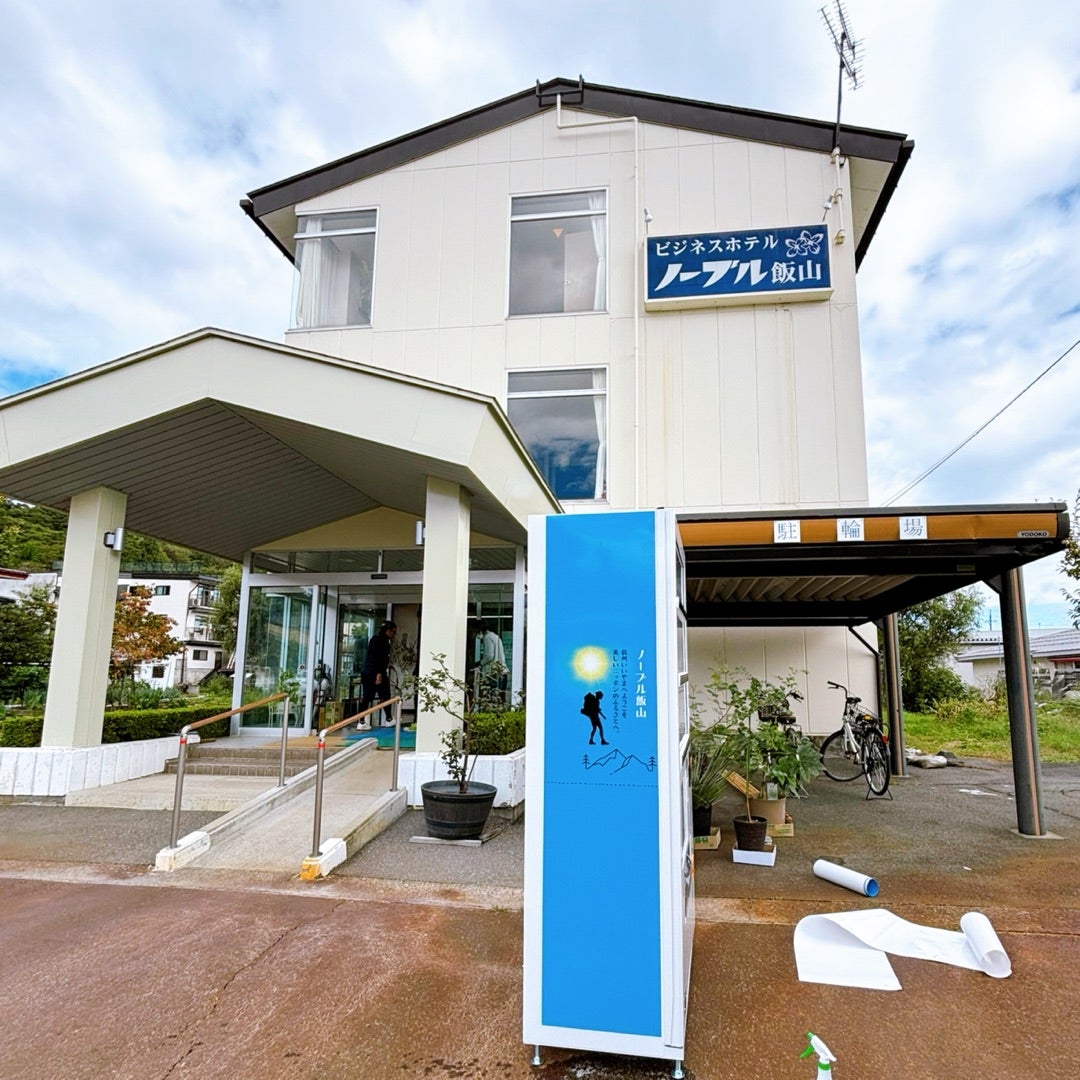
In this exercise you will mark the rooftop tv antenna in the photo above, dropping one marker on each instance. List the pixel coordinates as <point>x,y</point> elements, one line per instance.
<point>848,48</point>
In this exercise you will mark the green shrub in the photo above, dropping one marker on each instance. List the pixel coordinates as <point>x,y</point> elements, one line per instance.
<point>497,733</point>
<point>122,725</point>
<point>216,686</point>
<point>925,686</point>
<point>20,730</point>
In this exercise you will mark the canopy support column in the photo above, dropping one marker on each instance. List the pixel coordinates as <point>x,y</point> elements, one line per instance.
<point>447,519</point>
<point>893,697</point>
<point>1020,690</point>
<point>82,644</point>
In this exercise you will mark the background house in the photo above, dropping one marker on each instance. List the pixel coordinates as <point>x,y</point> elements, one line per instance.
<point>1055,660</point>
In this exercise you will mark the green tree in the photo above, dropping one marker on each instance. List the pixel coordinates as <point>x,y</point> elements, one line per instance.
<point>139,635</point>
<point>1070,566</point>
<point>26,637</point>
<point>928,632</point>
<point>226,611</point>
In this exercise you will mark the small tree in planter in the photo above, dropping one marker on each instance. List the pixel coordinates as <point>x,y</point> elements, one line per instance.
<point>709,762</point>
<point>736,698</point>
<point>458,808</point>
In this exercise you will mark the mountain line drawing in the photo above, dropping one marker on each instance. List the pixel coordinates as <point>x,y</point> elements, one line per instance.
<point>620,760</point>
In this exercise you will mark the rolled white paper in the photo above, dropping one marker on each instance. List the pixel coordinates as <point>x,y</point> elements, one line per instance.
<point>841,875</point>
<point>985,945</point>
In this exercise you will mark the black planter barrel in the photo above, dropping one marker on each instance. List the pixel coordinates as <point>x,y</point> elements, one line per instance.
<point>451,815</point>
<point>750,833</point>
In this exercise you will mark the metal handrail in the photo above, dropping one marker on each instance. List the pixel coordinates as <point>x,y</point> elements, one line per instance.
<point>396,702</point>
<point>175,831</point>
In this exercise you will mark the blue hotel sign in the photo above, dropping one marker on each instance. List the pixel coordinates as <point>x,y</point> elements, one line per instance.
<point>754,266</point>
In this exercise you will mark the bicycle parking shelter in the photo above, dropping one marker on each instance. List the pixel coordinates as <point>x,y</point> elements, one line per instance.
<point>852,566</point>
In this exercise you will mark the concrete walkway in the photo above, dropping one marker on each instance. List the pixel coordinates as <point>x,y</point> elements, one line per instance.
<point>406,961</point>
<point>259,825</point>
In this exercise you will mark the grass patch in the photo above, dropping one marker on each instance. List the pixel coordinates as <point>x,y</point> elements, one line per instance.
<point>979,728</point>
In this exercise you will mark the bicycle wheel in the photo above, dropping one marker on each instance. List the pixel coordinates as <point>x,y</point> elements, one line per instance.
<point>877,764</point>
<point>839,763</point>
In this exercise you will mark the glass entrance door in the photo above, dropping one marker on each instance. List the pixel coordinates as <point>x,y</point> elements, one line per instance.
<point>357,625</point>
<point>276,658</point>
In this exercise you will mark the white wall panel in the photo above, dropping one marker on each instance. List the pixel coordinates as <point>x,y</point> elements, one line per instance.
<point>456,268</point>
<point>697,186</point>
<point>421,356</point>
<point>815,405</point>
<point>699,431</point>
<point>731,195</point>
<point>592,170</point>
<point>558,174</point>
<point>388,350</point>
<point>490,258</point>
<point>527,139</point>
<point>488,361</point>
<point>522,343</point>
<point>453,356</point>
<point>426,237</point>
<point>392,253</point>
<point>464,154</point>
<point>768,188</point>
<point>740,469</point>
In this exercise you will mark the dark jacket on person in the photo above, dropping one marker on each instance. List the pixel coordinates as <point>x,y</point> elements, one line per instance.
<point>377,659</point>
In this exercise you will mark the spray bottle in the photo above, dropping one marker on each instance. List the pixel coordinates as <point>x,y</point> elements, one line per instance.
<point>825,1056</point>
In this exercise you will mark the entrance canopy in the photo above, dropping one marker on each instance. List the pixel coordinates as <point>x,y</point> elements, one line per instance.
<point>223,443</point>
<point>848,566</point>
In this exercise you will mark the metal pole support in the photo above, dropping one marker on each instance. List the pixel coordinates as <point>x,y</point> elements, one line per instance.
<point>317,828</point>
<point>174,833</point>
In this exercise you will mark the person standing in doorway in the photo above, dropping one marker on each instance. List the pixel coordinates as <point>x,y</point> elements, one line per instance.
<point>375,673</point>
<point>490,661</point>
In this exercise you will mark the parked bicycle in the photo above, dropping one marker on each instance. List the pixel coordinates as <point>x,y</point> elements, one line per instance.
<point>857,748</point>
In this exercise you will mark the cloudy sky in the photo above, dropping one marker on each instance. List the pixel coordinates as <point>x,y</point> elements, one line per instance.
<point>130,130</point>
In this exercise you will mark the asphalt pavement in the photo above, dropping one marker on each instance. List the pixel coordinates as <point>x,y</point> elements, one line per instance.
<point>406,961</point>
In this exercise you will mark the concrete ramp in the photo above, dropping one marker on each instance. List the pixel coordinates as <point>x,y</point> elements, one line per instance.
<point>265,826</point>
<point>356,806</point>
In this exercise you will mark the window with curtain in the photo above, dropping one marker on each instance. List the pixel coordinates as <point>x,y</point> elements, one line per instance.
<point>558,253</point>
<point>335,259</point>
<point>561,416</point>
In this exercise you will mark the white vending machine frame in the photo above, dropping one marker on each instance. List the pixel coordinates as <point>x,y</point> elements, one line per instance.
<point>609,872</point>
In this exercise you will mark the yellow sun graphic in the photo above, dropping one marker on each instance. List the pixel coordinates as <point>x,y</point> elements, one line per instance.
<point>590,663</point>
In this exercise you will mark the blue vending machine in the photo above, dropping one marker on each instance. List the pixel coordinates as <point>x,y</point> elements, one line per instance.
<point>609,873</point>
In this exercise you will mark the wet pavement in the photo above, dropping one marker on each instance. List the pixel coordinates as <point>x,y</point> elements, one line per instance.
<point>406,961</point>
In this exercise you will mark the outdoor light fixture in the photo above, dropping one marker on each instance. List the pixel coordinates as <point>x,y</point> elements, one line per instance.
<point>114,540</point>
<point>419,533</point>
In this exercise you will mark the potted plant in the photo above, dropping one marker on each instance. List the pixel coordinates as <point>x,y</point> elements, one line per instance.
<point>788,760</point>
<point>456,808</point>
<point>737,698</point>
<point>709,763</point>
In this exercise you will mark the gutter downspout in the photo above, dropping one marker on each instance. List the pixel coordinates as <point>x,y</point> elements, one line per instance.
<point>562,125</point>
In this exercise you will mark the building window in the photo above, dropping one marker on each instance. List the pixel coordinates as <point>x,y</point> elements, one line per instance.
<point>157,671</point>
<point>199,654</point>
<point>162,590</point>
<point>335,257</point>
<point>561,417</point>
<point>558,253</point>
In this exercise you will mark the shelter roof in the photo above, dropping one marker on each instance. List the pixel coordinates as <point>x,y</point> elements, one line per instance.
<point>739,574</point>
<point>223,442</point>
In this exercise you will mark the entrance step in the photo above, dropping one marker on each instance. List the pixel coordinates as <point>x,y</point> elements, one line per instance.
<point>220,759</point>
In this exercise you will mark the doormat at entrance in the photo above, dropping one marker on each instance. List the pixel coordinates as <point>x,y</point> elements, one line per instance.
<point>385,737</point>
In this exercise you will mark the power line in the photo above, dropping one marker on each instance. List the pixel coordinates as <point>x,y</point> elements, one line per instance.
<point>982,427</point>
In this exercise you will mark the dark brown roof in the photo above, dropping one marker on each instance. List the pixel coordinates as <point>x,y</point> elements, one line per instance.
<point>750,124</point>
